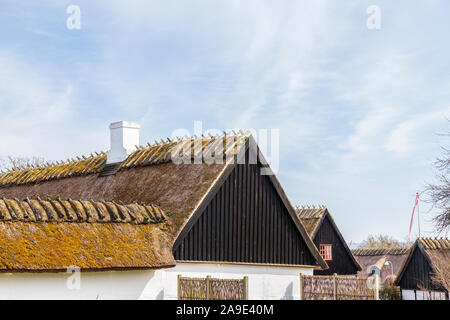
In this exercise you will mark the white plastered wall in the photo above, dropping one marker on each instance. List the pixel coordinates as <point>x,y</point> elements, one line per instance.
<point>265,282</point>
<point>422,295</point>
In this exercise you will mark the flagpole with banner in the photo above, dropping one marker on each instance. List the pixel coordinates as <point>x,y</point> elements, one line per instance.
<point>416,203</point>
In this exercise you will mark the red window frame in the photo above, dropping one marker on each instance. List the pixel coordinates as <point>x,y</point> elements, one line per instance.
<point>326,251</point>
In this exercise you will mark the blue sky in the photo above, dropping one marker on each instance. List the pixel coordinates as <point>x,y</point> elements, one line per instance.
<point>359,110</point>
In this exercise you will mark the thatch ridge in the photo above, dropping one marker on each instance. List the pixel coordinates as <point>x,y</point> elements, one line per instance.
<point>186,148</point>
<point>438,244</point>
<point>52,171</point>
<point>38,210</point>
<point>380,251</point>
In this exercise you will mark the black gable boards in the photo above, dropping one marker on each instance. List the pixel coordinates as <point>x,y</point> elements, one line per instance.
<point>246,218</point>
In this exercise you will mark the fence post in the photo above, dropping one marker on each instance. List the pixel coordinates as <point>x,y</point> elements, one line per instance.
<point>179,287</point>
<point>301,286</point>
<point>208,293</point>
<point>245,288</point>
<point>335,286</point>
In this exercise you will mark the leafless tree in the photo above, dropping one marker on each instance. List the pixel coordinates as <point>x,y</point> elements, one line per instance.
<point>14,163</point>
<point>381,241</point>
<point>438,193</point>
<point>441,276</point>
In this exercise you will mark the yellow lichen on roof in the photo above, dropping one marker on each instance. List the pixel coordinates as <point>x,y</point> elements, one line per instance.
<point>38,210</point>
<point>51,235</point>
<point>225,146</point>
<point>69,168</point>
<point>431,244</point>
<point>55,246</point>
<point>203,148</point>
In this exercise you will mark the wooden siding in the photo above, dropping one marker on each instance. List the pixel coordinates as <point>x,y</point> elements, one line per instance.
<point>246,221</point>
<point>417,275</point>
<point>342,263</point>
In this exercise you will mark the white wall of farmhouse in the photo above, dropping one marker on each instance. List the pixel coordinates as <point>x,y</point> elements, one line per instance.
<point>93,285</point>
<point>422,295</point>
<point>264,282</point>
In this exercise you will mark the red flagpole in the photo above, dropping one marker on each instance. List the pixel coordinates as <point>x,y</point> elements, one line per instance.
<point>412,215</point>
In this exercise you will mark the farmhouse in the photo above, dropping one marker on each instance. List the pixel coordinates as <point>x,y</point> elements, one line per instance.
<point>388,260</point>
<point>134,221</point>
<point>325,234</point>
<point>427,259</point>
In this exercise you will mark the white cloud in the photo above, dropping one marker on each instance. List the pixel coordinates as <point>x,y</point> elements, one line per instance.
<point>33,105</point>
<point>410,135</point>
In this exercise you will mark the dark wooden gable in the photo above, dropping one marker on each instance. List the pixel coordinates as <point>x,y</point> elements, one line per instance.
<point>417,272</point>
<point>343,261</point>
<point>245,221</point>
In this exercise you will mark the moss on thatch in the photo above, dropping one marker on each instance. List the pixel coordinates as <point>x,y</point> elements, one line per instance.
<point>52,235</point>
<point>55,246</point>
<point>147,176</point>
<point>176,188</point>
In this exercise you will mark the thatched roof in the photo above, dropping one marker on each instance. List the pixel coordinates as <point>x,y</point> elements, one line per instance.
<point>430,244</point>
<point>380,251</point>
<point>157,153</point>
<point>51,171</point>
<point>378,256</point>
<point>312,216</point>
<point>51,235</point>
<point>167,174</point>
<point>435,251</point>
<point>148,175</point>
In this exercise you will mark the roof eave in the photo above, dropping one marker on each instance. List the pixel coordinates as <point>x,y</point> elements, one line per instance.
<point>105,269</point>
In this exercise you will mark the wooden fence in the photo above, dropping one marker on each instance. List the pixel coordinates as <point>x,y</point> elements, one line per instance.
<point>212,289</point>
<point>335,288</point>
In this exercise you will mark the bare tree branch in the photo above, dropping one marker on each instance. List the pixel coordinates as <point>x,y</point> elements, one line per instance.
<point>14,163</point>
<point>381,242</point>
<point>438,193</point>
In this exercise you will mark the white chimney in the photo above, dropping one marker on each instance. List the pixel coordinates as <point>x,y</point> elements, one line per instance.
<point>124,139</point>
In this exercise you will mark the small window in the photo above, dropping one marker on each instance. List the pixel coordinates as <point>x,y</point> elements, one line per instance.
<point>326,251</point>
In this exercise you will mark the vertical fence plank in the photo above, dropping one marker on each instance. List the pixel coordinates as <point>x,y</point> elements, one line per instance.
<point>245,288</point>
<point>179,286</point>
<point>208,287</point>
<point>335,286</point>
<point>301,287</point>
